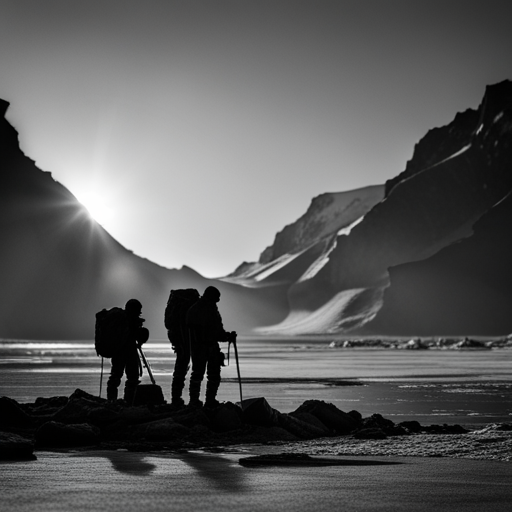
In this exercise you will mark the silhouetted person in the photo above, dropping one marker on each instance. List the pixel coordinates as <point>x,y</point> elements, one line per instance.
<point>126,360</point>
<point>177,331</point>
<point>206,330</point>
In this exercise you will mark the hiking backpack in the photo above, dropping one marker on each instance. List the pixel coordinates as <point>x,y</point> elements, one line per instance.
<point>174,318</point>
<point>111,331</point>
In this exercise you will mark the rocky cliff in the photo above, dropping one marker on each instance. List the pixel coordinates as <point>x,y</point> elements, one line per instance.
<point>457,174</point>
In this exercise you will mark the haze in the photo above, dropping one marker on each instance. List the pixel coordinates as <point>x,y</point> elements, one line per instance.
<point>201,128</point>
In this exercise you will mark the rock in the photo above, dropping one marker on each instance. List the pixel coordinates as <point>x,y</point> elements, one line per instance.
<point>53,433</point>
<point>307,417</point>
<point>192,416</point>
<point>76,410</point>
<point>370,433</point>
<point>257,411</point>
<point>161,430</point>
<point>445,429</point>
<point>300,428</point>
<point>12,415</point>
<point>226,417</point>
<point>338,421</point>
<point>15,447</point>
<point>387,426</point>
<point>356,415</point>
<point>411,426</point>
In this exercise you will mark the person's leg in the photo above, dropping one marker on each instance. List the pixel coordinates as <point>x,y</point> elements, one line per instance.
<point>199,355</point>
<point>213,376</point>
<point>116,374</point>
<point>181,367</point>
<point>132,370</point>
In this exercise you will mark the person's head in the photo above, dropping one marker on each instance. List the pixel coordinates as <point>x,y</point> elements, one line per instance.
<point>212,293</point>
<point>133,307</point>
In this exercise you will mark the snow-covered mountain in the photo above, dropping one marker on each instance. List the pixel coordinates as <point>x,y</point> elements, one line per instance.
<point>427,253</point>
<point>336,281</point>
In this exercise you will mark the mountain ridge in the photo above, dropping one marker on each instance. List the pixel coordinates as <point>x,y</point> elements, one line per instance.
<point>342,268</point>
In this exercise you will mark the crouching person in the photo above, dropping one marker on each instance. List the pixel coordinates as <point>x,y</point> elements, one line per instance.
<point>206,330</point>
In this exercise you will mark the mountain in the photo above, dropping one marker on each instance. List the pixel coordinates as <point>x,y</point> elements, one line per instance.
<point>463,289</point>
<point>337,281</point>
<point>58,267</point>
<point>426,253</point>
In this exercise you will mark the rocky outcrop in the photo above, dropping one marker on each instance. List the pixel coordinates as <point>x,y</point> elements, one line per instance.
<point>87,422</point>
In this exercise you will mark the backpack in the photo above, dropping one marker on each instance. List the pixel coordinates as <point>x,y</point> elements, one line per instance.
<point>111,331</point>
<point>174,317</point>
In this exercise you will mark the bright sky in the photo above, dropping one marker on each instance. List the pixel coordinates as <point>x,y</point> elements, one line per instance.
<point>203,127</point>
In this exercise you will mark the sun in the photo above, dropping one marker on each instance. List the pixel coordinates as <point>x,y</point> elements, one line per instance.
<point>97,205</point>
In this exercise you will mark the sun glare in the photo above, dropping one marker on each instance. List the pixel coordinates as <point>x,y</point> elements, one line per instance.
<point>97,206</point>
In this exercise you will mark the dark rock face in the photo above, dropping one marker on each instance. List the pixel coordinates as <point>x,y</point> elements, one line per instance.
<point>458,173</point>
<point>463,288</point>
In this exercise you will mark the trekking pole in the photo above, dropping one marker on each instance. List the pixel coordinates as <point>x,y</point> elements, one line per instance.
<point>238,372</point>
<point>101,376</point>
<point>146,365</point>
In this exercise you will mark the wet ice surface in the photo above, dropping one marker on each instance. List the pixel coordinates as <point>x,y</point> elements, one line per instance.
<point>472,387</point>
<point>199,481</point>
<point>430,386</point>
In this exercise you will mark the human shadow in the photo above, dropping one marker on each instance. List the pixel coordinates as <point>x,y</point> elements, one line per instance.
<point>132,463</point>
<point>222,472</point>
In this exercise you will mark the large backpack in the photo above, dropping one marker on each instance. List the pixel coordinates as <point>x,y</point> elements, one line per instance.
<point>111,331</point>
<point>174,318</point>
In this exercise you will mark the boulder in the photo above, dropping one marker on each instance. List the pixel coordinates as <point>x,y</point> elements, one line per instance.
<point>370,433</point>
<point>299,428</point>
<point>161,430</point>
<point>412,427</point>
<point>445,429</point>
<point>338,421</point>
<point>192,416</point>
<point>307,417</point>
<point>377,421</point>
<point>12,415</point>
<point>226,417</point>
<point>15,447</point>
<point>55,434</point>
<point>257,411</point>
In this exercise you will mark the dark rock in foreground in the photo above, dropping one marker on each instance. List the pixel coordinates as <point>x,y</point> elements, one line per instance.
<point>84,421</point>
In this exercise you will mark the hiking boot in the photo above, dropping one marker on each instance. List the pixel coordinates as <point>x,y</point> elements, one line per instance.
<point>212,387</point>
<point>212,403</point>
<point>111,394</point>
<point>176,390</point>
<point>194,392</point>
<point>177,402</point>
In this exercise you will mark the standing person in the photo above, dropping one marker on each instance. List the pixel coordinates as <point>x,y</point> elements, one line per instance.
<point>206,330</point>
<point>126,359</point>
<point>177,331</point>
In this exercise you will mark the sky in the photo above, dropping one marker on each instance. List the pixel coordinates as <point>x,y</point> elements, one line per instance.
<point>195,130</point>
